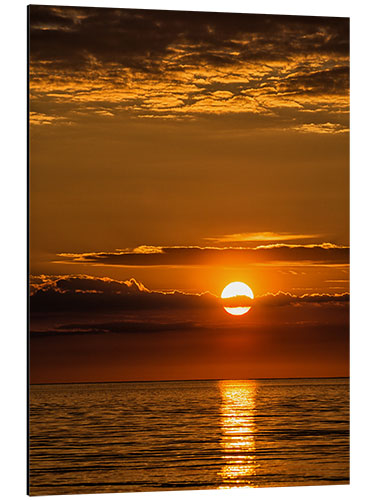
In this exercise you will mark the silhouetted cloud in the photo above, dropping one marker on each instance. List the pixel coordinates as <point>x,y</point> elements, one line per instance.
<point>286,299</point>
<point>130,326</point>
<point>82,294</point>
<point>319,254</point>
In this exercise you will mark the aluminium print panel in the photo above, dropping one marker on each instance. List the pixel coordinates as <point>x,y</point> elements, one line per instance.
<point>189,250</point>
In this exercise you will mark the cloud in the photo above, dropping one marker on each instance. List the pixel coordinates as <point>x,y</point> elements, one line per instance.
<point>148,64</point>
<point>329,81</point>
<point>286,299</point>
<point>86,284</point>
<point>321,128</point>
<point>130,326</point>
<point>275,254</point>
<point>82,293</point>
<point>262,236</point>
<point>141,38</point>
<point>86,294</point>
<point>43,119</point>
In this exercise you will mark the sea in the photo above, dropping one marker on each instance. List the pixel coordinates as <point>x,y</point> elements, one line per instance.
<point>186,435</point>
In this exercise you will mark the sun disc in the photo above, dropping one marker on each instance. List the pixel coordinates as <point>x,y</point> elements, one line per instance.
<point>235,289</point>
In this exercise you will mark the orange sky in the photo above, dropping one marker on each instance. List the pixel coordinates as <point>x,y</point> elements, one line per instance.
<point>186,151</point>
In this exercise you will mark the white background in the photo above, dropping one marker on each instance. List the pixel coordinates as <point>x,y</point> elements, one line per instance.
<point>13,244</point>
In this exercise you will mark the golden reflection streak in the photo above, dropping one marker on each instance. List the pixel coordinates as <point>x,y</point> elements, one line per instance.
<point>238,432</point>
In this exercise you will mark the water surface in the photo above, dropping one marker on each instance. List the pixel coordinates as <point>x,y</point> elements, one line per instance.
<point>146,436</point>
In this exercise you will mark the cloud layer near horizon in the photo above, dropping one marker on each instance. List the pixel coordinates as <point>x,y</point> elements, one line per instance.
<point>89,329</point>
<point>82,293</point>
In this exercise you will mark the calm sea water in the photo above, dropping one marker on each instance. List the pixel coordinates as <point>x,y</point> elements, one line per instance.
<point>87,438</point>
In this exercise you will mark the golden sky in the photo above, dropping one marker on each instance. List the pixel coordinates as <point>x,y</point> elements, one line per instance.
<point>170,154</point>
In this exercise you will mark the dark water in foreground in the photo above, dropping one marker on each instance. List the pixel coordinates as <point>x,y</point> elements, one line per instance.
<point>96,438</point>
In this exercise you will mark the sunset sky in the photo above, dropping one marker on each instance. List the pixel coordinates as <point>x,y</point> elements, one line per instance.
<point>172,153</point>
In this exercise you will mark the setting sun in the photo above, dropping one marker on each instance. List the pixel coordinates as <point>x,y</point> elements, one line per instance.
<point>237,289</point>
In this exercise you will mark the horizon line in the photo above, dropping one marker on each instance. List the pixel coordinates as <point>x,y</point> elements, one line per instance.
<point>186,380</point>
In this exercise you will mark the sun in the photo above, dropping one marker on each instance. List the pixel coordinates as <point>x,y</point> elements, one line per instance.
<point>235,289</point>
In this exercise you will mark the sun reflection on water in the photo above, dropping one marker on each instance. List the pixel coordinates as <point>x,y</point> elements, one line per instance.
<point>238,432</point>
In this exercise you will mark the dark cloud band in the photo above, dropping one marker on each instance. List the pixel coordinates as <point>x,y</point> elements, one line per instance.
<point>325,254</point>
<point>139,38</point>
<point>83,294</point>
